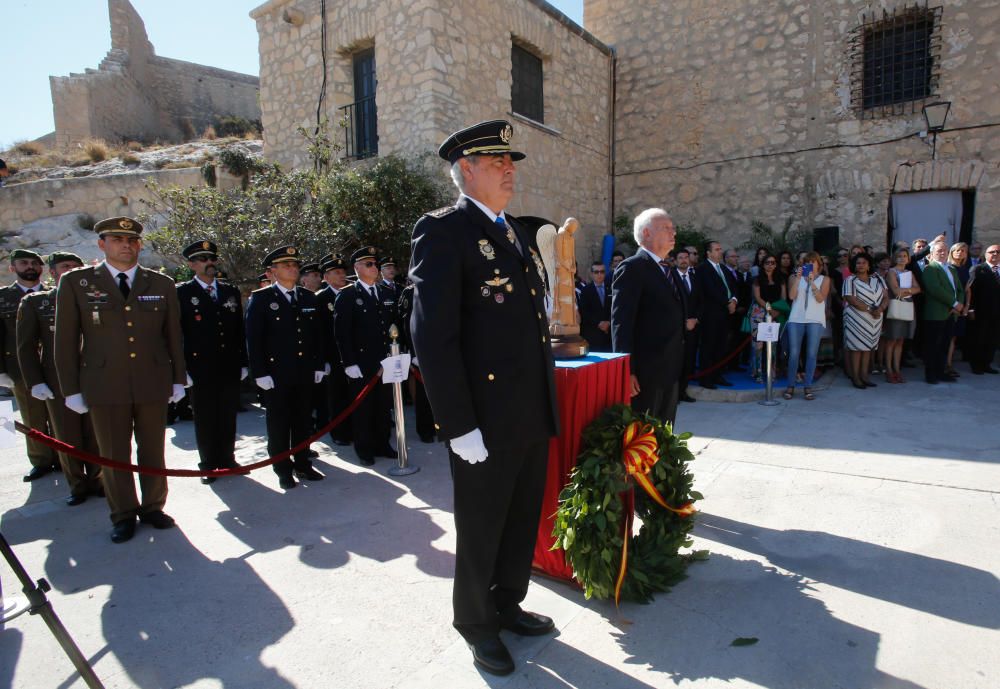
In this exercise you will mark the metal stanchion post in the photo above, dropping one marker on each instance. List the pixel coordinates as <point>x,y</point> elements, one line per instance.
<point>401,468</point>
<point>769,400</point>
<point>38,604</point>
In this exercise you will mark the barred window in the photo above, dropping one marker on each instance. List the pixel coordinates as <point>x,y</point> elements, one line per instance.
<point>526,85</point>
<point>896,61</point>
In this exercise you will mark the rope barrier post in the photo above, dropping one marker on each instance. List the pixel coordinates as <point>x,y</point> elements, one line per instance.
<point>402,468</point>
<point>769,400</point>
<point>38,604</point>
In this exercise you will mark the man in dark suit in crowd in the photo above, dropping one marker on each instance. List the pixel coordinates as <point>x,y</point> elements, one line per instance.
<point>743,294</point>
<point>334,268</point>
<point>363,314</point>
<point>216,356</point>
<point>119,354</point>
<point>27,266</point>
<point>684,277</point>
<point>594,302</point>
<point>284,345</point>
<point>718,304</point>
<point>647,317</point>
<point>984,312</point>
<point>36,320</point>
<point>482,339</point>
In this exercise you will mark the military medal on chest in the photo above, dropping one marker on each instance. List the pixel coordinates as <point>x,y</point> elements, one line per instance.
<point>486,249</point>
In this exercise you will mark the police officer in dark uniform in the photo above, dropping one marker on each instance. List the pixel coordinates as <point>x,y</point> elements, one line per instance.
<point>215,354</point>
<point>284,345</point>
<point>36,330</point>
<point>422,406</point>
<point>481,337</point>
<point>334,269</point>
<point>363,314</point>
<point>27,266</point>
<point>387,269</point>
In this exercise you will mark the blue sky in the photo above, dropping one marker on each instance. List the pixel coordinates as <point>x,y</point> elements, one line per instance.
<point>56,37</point>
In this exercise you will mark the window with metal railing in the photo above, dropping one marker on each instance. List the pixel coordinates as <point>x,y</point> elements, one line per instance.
<point>360,118</point>
<point>526,95</point>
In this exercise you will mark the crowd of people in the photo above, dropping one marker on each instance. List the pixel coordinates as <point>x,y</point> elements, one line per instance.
<point>873,313</point>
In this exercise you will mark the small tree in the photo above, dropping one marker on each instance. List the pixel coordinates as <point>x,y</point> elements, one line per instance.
<point>763,235</point>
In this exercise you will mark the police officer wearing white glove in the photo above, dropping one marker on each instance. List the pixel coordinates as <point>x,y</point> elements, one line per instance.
<point>481,335</point>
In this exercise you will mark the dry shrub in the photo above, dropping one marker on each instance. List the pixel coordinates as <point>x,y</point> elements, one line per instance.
<point>134,146</point>
<point>79,160</point>
<point>95,149</point>
<point>209,133</point>
<point>130,159</point>
<point>179,164</point>
<point>29,148</point>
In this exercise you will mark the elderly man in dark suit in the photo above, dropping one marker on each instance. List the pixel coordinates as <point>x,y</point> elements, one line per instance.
<point>284,345</point>
<point>984,312</point>
<point>119,354</point>
<point>648,317</point>
<point>594,302</point>
<point>216,356</point>
<point>481,336</point>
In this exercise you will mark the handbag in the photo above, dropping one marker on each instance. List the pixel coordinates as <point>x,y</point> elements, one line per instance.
<point>746,326</point>
<point>900,310</point>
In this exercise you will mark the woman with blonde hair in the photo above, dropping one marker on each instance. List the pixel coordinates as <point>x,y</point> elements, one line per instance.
<point>899,327</point>
<point>958,256</point>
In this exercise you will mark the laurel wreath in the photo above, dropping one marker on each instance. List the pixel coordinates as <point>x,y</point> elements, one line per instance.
<point>589,523</point>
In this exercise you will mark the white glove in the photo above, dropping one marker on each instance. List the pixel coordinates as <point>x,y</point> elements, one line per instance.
<point>353,372</point>
<point>42,392</point>
<point>189,382</point>
<point>178,393</point>
<point>6,381</point>
<point>318,376</point>
<point>244,372</point>
<point>76,403</point>
<point>470,447</point>
<point>415,362</point>
<point>326,369</point>
<point>265,383</point>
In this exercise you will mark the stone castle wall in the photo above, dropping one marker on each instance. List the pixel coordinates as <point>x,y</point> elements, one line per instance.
<point>134,94</point>
<point>443,64</point>
<point>729,112</point>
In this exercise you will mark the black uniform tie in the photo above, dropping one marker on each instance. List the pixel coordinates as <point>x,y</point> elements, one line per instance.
<point>123,284</point>
<point>291,298</point>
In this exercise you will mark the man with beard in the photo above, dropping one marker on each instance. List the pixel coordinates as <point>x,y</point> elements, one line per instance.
<point>119,354</point>
<point>216,356</point>
<point>36,328</point>
<point>27,266</point>
<point>336,389</point>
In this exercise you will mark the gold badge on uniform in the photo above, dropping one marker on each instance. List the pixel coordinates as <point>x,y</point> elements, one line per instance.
<point>506,133</point>
<point>486,249</point>
<point>290,251</point>
<point>125,224</point>
<point>205,245</point>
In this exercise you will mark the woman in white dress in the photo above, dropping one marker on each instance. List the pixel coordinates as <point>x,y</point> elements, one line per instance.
<point>865,301</point>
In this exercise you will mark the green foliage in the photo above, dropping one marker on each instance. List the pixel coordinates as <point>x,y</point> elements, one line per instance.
<point>689,235</point>
<point>323,151</point>
<point>233,125</point>
<point>589,523</point>
<point>762,234</point>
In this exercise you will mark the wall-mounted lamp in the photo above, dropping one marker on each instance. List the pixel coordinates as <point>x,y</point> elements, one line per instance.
<point>936,114</point>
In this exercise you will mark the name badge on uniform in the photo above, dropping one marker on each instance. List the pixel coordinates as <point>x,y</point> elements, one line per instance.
<point>95,315</point>
<point>150,297</point>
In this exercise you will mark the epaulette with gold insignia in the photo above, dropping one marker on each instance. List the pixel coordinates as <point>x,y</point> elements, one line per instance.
<point>441,212</point>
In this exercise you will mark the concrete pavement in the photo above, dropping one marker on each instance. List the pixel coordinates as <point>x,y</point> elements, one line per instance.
<point>855,536</point>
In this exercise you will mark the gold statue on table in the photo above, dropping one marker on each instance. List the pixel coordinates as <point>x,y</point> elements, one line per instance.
<point>558,249</point>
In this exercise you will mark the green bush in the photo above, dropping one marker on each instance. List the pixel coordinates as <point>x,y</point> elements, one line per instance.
<point>232,125</point>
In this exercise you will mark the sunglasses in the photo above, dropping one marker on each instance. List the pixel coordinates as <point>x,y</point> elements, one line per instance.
<point>204,259</point>
<point>367,264</point>
<point>597,272</point>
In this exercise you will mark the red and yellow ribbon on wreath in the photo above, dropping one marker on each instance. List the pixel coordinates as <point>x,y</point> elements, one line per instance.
<point>640,452</point>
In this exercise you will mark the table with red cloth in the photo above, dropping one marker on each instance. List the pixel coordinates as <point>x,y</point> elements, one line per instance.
<point>584,388</point>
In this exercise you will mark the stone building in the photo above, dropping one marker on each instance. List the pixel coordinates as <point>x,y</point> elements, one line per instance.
<point>722,112</point>
<point>137,95</point>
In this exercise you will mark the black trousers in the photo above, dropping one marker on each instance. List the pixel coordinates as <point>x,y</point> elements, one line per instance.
<point>422,409</point>
<point>497,507</point>
<point>339,395</point>
<point>690,355</point>
<point>713,347</point>
<point>370,422</point>
<point>215,405</point>
<point>320,405</point>
<point>658,397</point>
<point>937,335</point>
<point>982,341</point>
<point>289,418</point>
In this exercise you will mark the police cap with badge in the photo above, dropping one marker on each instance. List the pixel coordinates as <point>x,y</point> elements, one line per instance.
<point>200,249</point>
<point>309,268</point>
<point>486,138</point>
<point>283,254</point>
<point>121,226</point>
<point>332,262</point>
<point>365,253</point>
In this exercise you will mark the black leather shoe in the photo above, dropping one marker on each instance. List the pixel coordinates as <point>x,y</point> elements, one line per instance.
<point>36,473</point>
<point>312,453</point>
<point>869,384</point>
<point>490,655</point>
<point>708,385</point>
<point>208,480</point>
<point>157,520</point>
<point>687,398</point>
<point>724,383</point>
<point>387,452</point>
<point>75,500</point>
<point>366,461</point>
<point>978,371</point>
<point>309,474</point>
<point>287,482</point>
<point>123,530</point>
<point>530,624</point>
<point>931,381</point>
<point>990,369</point>
<point>949,379</point>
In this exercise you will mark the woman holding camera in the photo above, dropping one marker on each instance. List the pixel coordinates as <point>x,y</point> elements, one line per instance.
<point>866,300</point>
<point>808,289</point>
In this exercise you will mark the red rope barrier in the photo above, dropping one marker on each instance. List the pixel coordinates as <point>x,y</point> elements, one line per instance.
<point>416,374</point>
<point>720,364</point>
<point>60,446</point>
